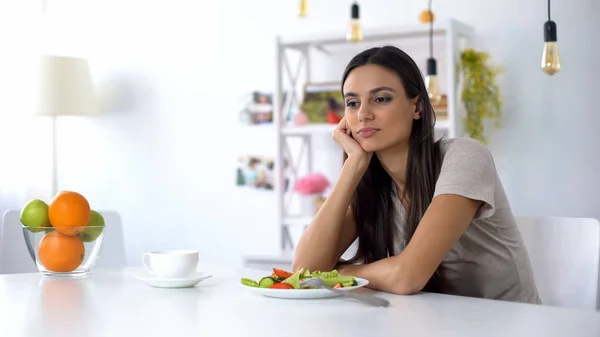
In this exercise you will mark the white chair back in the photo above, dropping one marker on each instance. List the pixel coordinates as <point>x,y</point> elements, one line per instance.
<point>14,257</point>
<point>565,257</point>
<point>112,252</point>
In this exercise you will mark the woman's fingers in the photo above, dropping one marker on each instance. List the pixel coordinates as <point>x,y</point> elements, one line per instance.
<point>343,125</point>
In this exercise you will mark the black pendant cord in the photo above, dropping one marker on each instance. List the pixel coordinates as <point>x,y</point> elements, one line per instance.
<point>431,29</point>
<point>550,34</point>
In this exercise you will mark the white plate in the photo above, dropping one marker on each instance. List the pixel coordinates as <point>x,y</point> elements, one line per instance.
<point>303,293</point>
<point>174,283</point>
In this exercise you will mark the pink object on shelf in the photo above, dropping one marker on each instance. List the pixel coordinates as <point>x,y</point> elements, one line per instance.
<point>315,183</point>
<point>300,119</point>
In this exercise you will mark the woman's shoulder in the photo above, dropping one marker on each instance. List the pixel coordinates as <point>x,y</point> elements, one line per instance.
<point>468,169</point>
<point>464,148</point>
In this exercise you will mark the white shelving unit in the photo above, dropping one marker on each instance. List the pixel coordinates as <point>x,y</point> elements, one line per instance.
<point>456,35</point>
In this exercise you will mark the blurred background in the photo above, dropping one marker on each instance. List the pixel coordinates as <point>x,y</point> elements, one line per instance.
<point>186,91</point>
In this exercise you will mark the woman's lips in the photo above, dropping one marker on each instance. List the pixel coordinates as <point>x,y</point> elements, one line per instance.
<point>367,132</point>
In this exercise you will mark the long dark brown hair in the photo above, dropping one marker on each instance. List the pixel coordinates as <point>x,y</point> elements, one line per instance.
<point>372,202</point>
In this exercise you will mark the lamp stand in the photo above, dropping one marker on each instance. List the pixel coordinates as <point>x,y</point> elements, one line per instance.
<point>54,183</point>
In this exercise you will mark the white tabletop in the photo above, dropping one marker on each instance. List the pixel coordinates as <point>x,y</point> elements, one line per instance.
<point>114,303</point>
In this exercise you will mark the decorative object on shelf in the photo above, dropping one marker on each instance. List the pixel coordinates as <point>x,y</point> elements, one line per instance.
<point>319,202</point>
<point>303,8</point>
<point>255,171</point>
<point>314,183</point>
<point>308,204</point>
<point>440,108</point>
<point>355,34</point>
<point>323,102</point>
<point>300,119</point>
<point>311,188</point>
<point>431,80</point>
<point>480,92</point>
<point>426,16</point>
<point>550,56</point>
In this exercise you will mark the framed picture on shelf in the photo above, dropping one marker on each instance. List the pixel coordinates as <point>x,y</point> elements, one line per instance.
<point>323,102</point>
<point>255,171</point>
<point>258,108</point>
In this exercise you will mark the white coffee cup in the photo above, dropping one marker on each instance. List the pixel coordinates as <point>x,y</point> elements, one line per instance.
<point>171,264</point>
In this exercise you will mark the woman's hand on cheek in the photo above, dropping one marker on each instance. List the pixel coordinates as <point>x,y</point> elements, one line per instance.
<point>343,136</point>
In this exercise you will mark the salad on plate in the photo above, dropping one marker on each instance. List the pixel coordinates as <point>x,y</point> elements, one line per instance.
<point>281,279</point>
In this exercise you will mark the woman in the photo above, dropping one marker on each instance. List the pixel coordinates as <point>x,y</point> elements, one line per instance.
<point>429,215</point>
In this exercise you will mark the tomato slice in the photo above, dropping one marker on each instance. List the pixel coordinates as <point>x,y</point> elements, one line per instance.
<point>339,285</point>
<point>282,273</point>
<point>282,285</point>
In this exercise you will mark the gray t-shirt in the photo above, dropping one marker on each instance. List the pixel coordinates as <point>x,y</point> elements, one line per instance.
<point>489,260</point>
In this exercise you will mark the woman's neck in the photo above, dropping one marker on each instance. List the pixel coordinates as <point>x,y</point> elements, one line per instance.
<point>394,162</point>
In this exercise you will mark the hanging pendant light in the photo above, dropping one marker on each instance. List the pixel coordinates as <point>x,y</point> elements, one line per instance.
<point>303,8</point>
<point>426,16</point>
<point>355,34</point>
<point>432,83</point>
<point>550,57</point>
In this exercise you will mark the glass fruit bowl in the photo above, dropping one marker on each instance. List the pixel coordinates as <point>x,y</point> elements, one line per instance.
<point>64,251</point>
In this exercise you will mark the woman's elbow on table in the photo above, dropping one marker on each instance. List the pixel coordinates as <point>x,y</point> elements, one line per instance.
<point>389,276</point>
<point>407,286</point>
<point>406,280</point>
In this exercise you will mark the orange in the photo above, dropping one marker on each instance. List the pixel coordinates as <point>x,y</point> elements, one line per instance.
<point>69,210</point>
<point>61,253</point>
<point>426,16</point>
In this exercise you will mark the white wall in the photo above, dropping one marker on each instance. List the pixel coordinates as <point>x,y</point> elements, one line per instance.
<point>166,160</point>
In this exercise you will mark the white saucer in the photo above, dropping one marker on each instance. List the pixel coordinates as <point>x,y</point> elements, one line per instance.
<point>174,283</point>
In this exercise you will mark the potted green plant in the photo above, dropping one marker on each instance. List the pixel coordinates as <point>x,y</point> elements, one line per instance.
<point>480,93</point>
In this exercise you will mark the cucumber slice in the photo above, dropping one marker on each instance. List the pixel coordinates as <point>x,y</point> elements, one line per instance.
<point>339,279</point>
<point>266,282</point>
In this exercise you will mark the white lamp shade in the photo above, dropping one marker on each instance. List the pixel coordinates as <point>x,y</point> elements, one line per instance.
<point>66,87</point>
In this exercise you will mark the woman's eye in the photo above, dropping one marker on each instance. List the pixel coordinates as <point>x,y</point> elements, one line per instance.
<point>382,99</point>
<point>351,104</point>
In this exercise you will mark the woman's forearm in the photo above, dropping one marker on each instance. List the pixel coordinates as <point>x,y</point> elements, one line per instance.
<point>318,246</point>
<point>389,275</point>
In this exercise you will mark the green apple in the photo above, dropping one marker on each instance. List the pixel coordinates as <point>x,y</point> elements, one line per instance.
<point>35,215</point>
<point>95,227</point>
